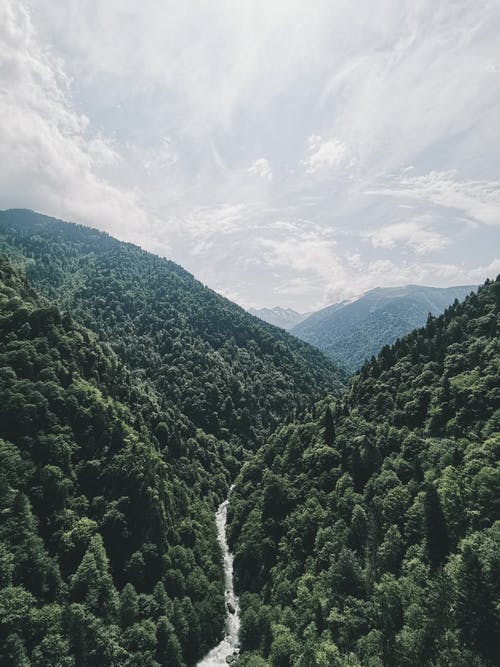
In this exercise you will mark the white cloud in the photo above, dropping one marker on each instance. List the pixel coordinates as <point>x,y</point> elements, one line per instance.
<point>415,234</point>
<point>49,159</point>
<point>478,199</point>
<point>325,155</point>
<point>308,255</point>
<point>293,287</point>
<point>205,223</point>
<point>259,143</point>
<point>262,168</point>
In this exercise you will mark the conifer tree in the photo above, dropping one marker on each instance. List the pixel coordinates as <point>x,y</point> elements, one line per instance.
<point>436,534</point>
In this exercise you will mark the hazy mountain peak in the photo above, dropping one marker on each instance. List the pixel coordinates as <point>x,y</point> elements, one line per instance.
<point>286,318</point>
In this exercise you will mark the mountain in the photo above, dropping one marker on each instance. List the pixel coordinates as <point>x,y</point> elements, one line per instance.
<point>285,318</point>
<point>197,348</point>
<point>364,520</point>
<point>368,532</point>
<point>351,332</point>
<point>130,396</point>
<point>99,510</point>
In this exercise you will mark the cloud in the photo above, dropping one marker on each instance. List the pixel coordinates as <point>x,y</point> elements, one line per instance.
<point>478,199</point>
<point>325,155</point>
<point>49,157</point>
<point>263,146</point>
<point>204,224</point>
<point>303,255</point>
<point>415,234</point>
<point>262,168</point>
<point>293,287</point>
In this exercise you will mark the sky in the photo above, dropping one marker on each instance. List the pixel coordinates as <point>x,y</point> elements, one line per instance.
<point>285,152</point>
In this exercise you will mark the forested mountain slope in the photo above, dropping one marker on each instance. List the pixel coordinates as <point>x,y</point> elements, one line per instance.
<point>352,332</point>
<point>369,533</point>
<point>231,374</point>
<point>108,552</point>
<point>119,440</point>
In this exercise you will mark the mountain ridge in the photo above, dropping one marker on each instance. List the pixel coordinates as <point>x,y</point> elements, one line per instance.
<point>285,318</point>
<point>355,331</point>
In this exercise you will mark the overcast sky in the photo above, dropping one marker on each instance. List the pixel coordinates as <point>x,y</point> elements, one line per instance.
<point>291,153</point>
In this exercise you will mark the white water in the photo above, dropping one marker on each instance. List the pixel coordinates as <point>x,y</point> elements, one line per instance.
<point>229,646</point>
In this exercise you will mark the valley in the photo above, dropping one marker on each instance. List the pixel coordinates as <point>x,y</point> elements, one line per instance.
<point>363,514</point>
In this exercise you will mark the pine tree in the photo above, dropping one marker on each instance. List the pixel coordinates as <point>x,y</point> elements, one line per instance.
<point>92,583</point>
<point>129,609</point>
<point>328,426</point>
<point>436,534</point>
<point>168,649</point>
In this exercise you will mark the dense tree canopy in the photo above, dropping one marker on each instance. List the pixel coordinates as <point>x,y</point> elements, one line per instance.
<point>118,444</point>
<point>365,524</point>
<point>108,552</point>
<point>231,374</point>
<point>368,533</point>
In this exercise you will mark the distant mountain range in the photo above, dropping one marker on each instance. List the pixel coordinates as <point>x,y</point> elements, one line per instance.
<point>351,332</point>
<point>285,318</point>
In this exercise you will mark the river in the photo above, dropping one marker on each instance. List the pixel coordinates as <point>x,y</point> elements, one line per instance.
<point>229,646</point>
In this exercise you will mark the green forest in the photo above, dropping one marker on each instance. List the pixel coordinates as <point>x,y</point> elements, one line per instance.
<point>365,514</point>
<point>108,554</point>
<point>368,532</point>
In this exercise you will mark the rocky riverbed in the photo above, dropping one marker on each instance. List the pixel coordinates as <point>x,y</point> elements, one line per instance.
<point>226,652</point>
